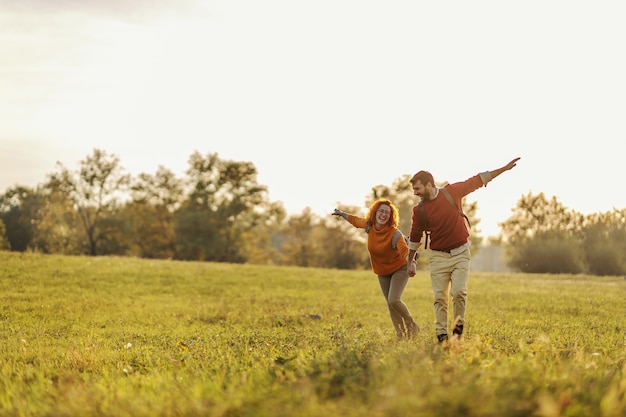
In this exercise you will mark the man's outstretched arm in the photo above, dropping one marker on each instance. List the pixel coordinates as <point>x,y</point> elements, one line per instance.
<point>490,175</point>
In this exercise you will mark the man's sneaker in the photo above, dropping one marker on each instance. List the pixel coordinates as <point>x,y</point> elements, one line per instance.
<point>442,337</point>
<point>458,330</point>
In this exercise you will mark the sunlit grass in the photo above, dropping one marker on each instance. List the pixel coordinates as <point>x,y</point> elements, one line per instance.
<point>84,336</point>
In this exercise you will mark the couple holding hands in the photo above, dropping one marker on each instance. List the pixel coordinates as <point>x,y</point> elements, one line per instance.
<point>449,260</point>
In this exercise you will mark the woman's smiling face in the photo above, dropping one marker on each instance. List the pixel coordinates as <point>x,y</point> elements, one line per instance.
<point>383,214</point>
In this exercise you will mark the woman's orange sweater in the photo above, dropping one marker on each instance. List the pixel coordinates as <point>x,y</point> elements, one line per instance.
<point>385,260</point>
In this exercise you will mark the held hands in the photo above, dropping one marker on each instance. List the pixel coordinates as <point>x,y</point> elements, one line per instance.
<point>411,268</point>
<point>411,263</point>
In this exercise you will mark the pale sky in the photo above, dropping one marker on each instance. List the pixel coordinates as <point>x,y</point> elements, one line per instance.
<point>326,98</point>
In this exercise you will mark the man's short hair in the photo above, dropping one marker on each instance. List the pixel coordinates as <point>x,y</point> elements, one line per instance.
<point>424,177</point>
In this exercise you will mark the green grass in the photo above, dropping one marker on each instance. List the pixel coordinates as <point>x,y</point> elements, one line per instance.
<point>83,336</point>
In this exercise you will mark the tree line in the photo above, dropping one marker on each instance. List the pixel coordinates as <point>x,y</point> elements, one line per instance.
<point>219,212</point>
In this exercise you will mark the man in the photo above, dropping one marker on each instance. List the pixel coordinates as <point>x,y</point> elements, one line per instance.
<point>449,259</point>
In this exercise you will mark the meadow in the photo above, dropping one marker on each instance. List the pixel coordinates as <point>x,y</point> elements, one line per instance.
<point>87,336</point>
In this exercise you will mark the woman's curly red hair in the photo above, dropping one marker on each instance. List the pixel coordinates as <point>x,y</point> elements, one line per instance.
<point>393,219</point>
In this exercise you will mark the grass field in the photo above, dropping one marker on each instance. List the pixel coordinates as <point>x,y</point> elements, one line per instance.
<point>82,336</point>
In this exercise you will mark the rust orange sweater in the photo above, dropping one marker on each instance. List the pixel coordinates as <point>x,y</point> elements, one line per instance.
<point>384,259</point>
<point>447,226</point>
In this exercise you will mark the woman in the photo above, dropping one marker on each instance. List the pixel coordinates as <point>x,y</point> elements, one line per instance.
<point>388,258</point>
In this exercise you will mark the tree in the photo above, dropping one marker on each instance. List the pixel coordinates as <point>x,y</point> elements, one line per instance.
<point>95,192</point>
<point>150,215</point>
<point>299,246</point>
<point>544,236</point>
<point>605,242</point>
<point>4,242</point>
<point>342,246</point>
<point>261,241</point>
<point>535,214</point>
<point>225,201</point>
<point>19,209</point>
<point>58,228</point>
<point>549,252</point>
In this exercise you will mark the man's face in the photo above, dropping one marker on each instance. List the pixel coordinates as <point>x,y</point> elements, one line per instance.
<point>419,190</point>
